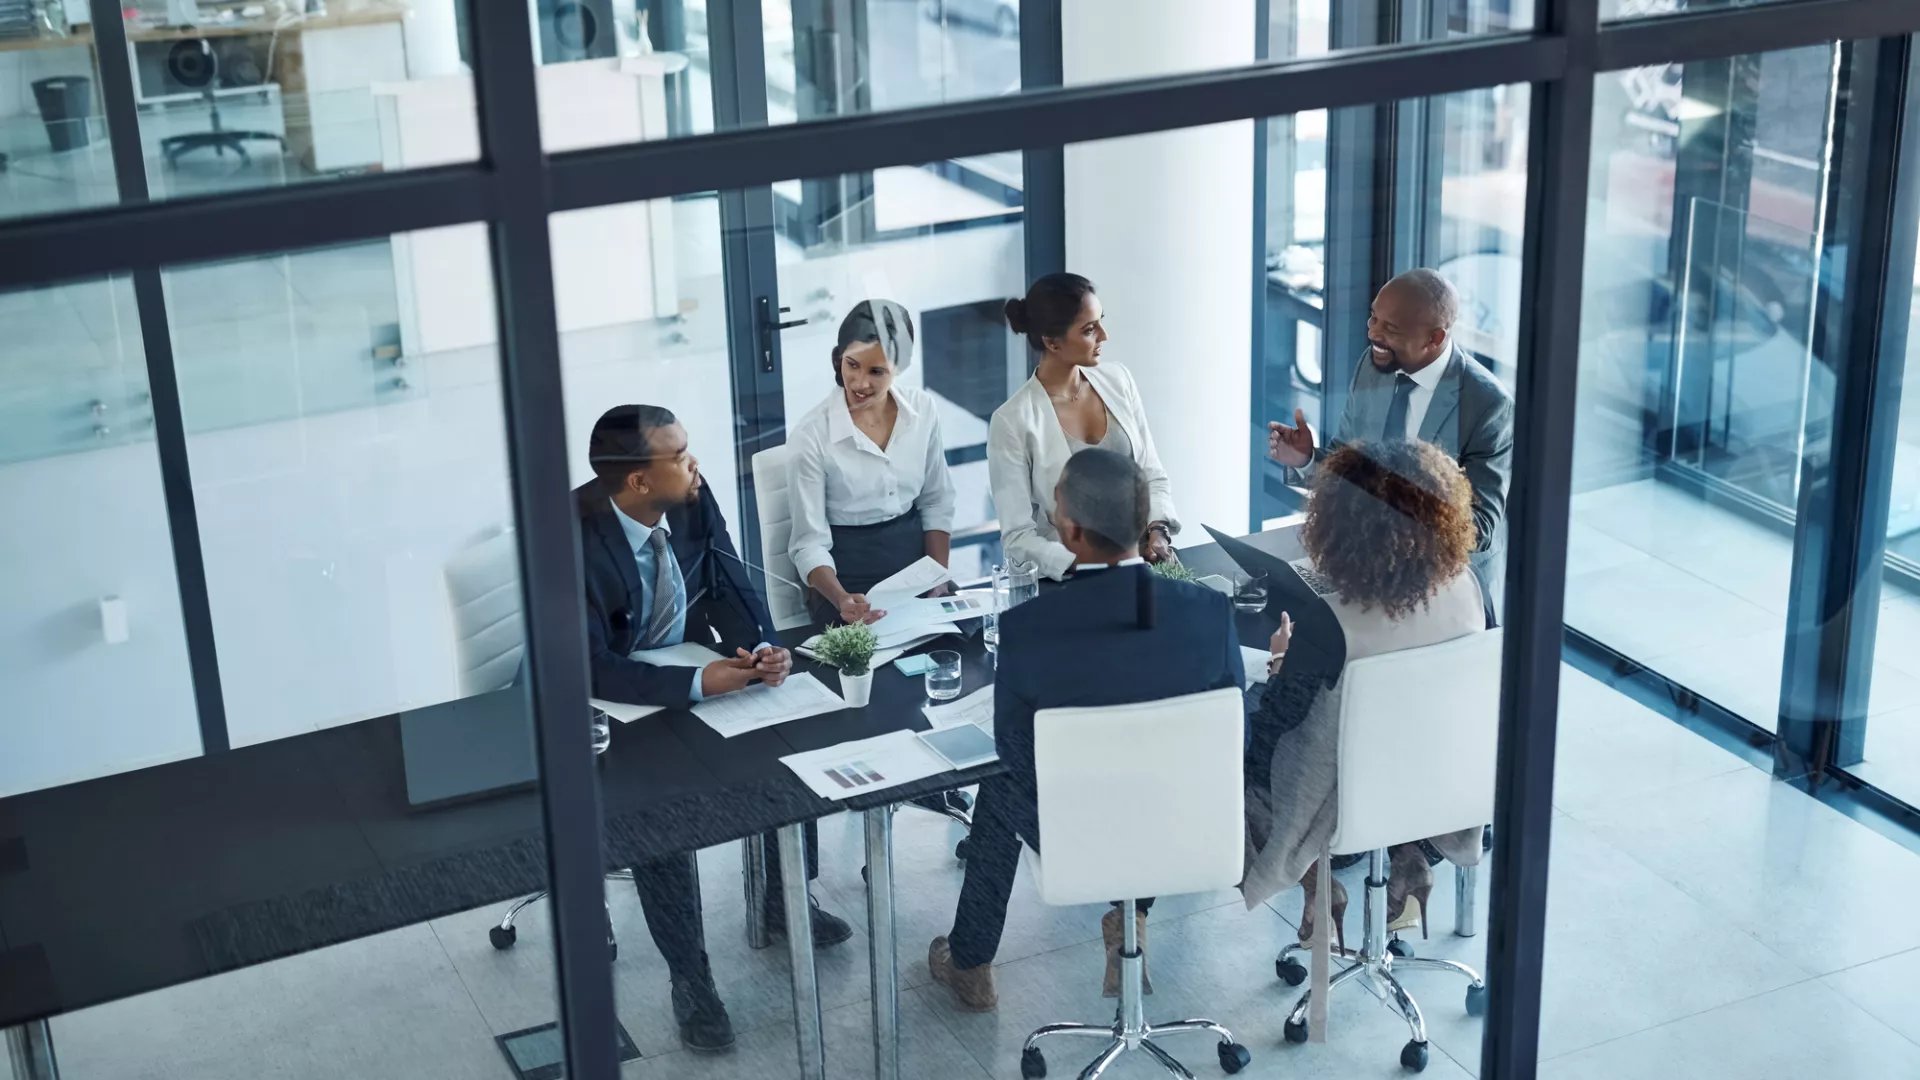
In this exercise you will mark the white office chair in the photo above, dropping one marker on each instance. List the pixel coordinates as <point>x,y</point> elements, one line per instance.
<point>489,639</point>
<point>1437,707</point>
<point>772,495</point>
<point>1139,800</point>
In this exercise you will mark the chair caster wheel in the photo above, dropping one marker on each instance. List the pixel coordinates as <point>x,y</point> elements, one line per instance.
<point>1296,1032</point>
<point>1291,971</point>
<point>1400,949</point>
<point>960,851</point>
<point>960,801</point>
<point>864,877</point>
<point>1032,1065</point>
<point>1233,1057</point>
<point>1413,1056</point>
<point>1477,1000</point>
<point>502,937</point>
<point>613,950</point>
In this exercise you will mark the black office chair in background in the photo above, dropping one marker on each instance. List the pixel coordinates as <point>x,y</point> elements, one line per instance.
<point>196,63</point>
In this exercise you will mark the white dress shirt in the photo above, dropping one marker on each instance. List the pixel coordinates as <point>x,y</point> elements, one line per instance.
<point>1424,381</point>
<point>841,477</point>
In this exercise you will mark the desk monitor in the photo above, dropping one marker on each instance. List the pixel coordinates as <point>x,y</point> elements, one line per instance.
<point>465,749</point>
<point>1319,644</point>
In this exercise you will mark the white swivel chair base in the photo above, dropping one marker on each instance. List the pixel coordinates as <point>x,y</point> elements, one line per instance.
<point>1376,960</point>
<point>1130,1030</point>
<point>503,934</point>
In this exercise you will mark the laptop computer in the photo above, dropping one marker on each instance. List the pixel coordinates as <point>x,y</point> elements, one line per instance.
<point>1319,644</point>
<point>468,748</point>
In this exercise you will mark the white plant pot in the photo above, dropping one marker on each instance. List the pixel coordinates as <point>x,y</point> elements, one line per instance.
<point>856,689</point>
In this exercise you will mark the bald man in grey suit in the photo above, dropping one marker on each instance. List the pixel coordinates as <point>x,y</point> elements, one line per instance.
<point>1417,383</point>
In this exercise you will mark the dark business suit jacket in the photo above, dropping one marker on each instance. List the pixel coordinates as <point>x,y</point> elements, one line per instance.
<point>1082,644</point>
<point>724,607</point>
<point>1470,417</point>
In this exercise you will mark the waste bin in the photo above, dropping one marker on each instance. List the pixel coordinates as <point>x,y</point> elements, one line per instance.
<point>66,106</point>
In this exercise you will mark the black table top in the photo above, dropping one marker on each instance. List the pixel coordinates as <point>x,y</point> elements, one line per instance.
<point>137,881</point>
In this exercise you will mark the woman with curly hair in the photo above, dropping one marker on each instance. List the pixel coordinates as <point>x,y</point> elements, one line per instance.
<point>1390,527</point>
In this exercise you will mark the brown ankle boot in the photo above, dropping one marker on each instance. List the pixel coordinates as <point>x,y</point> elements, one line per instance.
<point>1409,877</point>
<point>1111,932</point>
<point>973,988</point>
<point>1339,903</point>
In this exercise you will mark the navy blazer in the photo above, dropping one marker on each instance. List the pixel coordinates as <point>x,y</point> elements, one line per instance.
<point>724,606</point>
<point>1082,644</point>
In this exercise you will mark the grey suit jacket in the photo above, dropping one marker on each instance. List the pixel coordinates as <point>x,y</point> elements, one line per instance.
<point>1470,417</point>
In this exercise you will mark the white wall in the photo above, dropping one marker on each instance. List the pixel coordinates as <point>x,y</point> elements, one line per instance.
<point>1163,224</point>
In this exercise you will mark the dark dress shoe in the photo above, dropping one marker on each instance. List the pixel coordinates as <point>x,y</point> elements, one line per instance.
<point>705,1026</point>
<point>828,928</point>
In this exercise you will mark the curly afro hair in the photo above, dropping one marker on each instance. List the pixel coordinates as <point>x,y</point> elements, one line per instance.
<point>1389,522</point>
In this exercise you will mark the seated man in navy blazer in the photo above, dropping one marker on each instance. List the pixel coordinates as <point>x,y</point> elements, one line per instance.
<point>1115,633</point>
<point>661,570</point>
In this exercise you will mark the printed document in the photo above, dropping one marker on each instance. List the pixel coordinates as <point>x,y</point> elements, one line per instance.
<point>865,765</point>
<point>761,705</point>
<point>909,583</point>
<point>976,708</point>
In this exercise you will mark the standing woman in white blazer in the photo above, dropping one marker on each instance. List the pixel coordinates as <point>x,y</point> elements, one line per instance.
<point>1072,402</point>
<point>871,491</point>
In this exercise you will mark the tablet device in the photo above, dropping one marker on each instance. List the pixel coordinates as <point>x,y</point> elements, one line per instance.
<point>962,746</point>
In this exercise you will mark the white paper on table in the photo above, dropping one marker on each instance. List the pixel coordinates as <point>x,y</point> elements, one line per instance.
<point>760,705</point>
<point>622,711</point>
<point>865,765</point>
<point>1255,661</point>
<point>910,582</point>
<point>975,708</point>
<point>910,614</point>
<point>685,654</point>
<point>915,636</point>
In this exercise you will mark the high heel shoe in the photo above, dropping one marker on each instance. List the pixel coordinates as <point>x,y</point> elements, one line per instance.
<point>1409,887</point>
<point>1338,903</point>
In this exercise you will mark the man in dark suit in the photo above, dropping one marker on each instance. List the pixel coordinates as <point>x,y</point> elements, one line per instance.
<point>1416,382</point>
<point>1115,633</point>
<point>661,570</point>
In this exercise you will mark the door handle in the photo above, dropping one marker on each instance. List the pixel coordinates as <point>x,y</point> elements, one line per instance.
<point>770,327</point>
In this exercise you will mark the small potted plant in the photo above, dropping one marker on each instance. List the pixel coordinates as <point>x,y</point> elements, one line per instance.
<point>1174,571</point>
<point>850,648</point>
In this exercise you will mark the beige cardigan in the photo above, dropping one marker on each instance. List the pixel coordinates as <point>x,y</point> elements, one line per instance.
<point>1026,451</point>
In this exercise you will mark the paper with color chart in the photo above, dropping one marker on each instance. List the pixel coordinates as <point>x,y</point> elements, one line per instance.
<point>909,616</point>
<point>910,582</point>
<point>865,765</point>
<point>761,705</point>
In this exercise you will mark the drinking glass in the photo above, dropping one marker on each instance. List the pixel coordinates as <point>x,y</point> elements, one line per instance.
<point>943,678</point>
<point>602,732</point>
<point>1023,583</point>
<point>990,630</point>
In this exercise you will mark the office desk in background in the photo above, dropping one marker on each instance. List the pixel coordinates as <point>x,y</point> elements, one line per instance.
<point>324,66</point>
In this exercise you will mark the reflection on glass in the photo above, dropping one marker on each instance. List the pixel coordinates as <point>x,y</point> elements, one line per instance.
<point>1701,382</point>
<point>946,241</point>
<point>265,95</point>
<point>1647,9</point>
<point>53,131</point>
<point>95,655</point>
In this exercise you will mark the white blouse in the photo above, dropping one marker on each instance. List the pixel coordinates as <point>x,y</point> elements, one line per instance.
<point>1026,449</point>
<point>841,477</point>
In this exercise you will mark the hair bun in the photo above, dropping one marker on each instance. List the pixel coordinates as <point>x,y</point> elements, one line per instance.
<point>1017,315</point>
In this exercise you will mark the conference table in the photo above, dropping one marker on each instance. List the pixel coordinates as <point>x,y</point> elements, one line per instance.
<point>142,880</point>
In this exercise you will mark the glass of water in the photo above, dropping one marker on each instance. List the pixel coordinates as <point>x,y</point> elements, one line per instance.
<point>602,732</point>
<point>990,632</point>
<point>943,678</point>
<point>1023,583</point>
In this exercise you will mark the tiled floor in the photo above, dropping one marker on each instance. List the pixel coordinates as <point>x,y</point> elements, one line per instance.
<point>1704,921</point>
<point>1700,596</point>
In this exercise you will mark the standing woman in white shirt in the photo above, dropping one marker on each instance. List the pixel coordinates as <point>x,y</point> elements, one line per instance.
<point>1072,402</point>
<point>871,492</point>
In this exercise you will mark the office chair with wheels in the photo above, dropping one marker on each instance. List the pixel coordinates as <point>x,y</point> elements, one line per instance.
<point>1139,800</point>
<point>1439,706</point>
<point>483,596</point>
<point>196,63</point>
